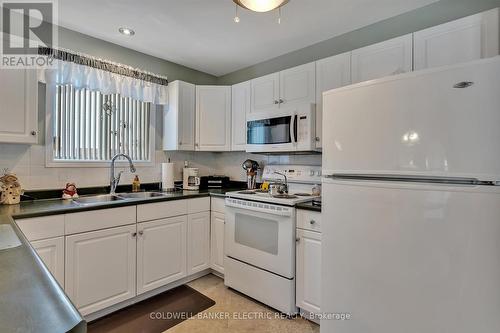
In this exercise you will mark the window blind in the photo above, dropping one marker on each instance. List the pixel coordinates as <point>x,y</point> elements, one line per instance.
<point>90,126</point>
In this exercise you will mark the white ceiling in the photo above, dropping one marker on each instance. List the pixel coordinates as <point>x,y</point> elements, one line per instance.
<point>201,34</point>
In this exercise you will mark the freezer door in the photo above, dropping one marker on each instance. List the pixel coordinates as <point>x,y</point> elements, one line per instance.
<point>439,122</point>
<point>410,258</point>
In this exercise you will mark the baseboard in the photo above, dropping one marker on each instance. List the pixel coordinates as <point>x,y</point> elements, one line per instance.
<point>309,316</point>
<point>138,298</point>
<point>217,273</point>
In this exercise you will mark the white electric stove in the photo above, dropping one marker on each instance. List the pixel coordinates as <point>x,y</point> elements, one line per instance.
<point>301,180</point>
<point>259,245</point>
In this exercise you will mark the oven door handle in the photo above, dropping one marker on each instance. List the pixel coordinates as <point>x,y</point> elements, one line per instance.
<point>293,128</point>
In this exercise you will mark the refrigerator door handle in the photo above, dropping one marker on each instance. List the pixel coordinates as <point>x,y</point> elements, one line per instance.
<point>412,179</point>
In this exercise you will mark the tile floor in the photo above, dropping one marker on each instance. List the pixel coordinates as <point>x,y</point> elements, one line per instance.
<point>230,302</point>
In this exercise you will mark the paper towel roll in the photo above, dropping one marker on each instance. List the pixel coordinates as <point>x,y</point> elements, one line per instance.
<point>167,176</point>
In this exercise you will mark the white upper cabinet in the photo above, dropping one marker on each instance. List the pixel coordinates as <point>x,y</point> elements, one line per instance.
<point>179,121</point>
<point>387,58</point>
<point>240,107</point>
<point>18,109</point>
<point>331,73</point>
<point>213,118</point>
<point>470,38</point>
<point>287,88</point>
<point>298,85</point>
<point>265,93</point>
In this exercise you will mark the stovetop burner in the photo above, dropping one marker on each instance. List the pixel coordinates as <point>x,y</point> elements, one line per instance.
<point>284,196</point>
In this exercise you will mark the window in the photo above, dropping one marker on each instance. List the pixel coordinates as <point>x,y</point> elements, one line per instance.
<point>89,126</point>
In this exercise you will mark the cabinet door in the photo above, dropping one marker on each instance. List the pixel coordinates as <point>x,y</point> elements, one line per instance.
<point>298,85</point>
<point>161,252</point>
<point>217,242</point>
<point>308,270</point>
<point>470,38</point>
<point>331,73</point>
<point>51,251</point>
<point>265,93</point>
<point>179,117</point>
<point>18,110</point>
<point>390,57</point>
<point>213,118</point>
<point>198,242</point>
<point>240,107</point>
<point>101,268</point>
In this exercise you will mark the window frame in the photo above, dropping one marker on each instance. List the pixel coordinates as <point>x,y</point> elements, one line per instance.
<point>50,162</point>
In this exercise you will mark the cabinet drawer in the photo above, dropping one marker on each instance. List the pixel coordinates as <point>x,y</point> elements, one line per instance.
<point>161,210</point>
<point>99,219</point>
<point>42,227</point>
<point>218,205</point>
<point>198,205</point>
<point>309,220</point>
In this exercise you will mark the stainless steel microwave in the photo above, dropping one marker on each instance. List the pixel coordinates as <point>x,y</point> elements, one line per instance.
<point>284,130</point>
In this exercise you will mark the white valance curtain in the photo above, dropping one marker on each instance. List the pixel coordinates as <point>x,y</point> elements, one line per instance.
<point>81,76</point>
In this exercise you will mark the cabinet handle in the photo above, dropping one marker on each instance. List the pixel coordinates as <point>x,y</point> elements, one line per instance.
<point>196,145</point>
<point>141,233</point>
<point>180,143</point>
<point>33,133</point>
<point>134,234</point>
<point>312,222</point>
<point>276,102</point>
<point>317,139</point>
<point>281,101</point>
<point>297,239</point>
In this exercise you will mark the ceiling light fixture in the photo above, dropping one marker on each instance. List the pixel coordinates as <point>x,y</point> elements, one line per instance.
<point>261,5</point>
<point>236,17</point>
<point>126,31</point>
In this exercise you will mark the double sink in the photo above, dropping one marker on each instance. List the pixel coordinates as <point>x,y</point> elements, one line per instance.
<point>105,198</point>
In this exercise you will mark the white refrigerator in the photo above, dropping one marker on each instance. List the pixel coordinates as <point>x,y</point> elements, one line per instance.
<point>411,206</point>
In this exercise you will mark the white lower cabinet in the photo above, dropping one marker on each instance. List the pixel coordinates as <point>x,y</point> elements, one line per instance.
<point>101,268</point>
<point>308,270</point>
<point>217,242</point>
<point>161,252</point>
<point>51,251</point>
<point>198,242</point>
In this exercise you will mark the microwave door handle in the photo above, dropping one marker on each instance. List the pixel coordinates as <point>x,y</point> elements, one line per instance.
<point>292,129</point>
<point>295,124</point>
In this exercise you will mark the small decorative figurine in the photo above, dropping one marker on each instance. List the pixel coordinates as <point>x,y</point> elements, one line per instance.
<point>11,189</point>
<point>70,191</point>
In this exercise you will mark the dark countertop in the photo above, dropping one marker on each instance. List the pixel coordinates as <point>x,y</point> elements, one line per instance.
<point>308,206</point>
<point>30,298</point>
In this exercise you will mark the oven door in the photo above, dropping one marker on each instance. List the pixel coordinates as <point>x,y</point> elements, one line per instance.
<point>267,134</point>
<point>262,235</point>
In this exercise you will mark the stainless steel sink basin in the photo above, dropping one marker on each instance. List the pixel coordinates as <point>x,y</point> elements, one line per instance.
<point>96,199</point>
<point>142,195</point>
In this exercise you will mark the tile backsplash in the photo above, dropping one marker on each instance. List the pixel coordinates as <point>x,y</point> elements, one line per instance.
<point>28,163</point>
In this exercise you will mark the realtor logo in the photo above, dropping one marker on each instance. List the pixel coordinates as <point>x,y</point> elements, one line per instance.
<point>26,26</point>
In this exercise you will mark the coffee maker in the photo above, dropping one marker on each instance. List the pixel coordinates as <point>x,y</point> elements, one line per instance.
<point>191,180</point>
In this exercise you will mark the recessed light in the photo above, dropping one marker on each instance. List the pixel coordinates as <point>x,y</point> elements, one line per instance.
<point>126,31</point>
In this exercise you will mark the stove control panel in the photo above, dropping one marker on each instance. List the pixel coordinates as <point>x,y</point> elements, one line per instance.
<point>294,173</point>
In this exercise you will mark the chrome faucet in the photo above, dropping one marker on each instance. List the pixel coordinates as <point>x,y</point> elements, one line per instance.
<point>285,185</point>
<point>113,181</point>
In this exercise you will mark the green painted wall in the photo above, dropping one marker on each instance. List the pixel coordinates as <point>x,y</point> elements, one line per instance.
<point>428,16</point>
<point>99,48</point>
